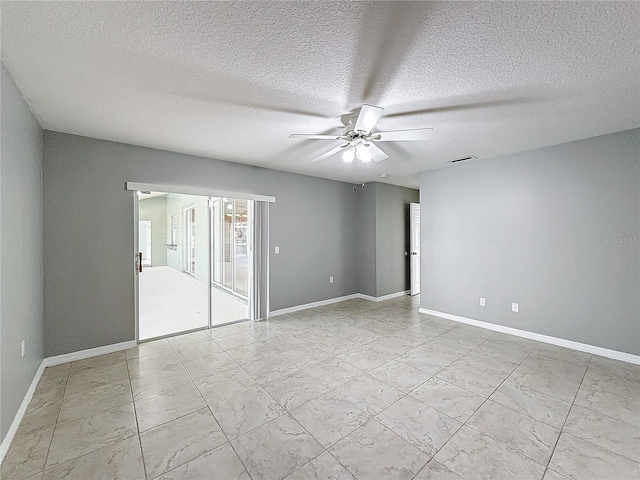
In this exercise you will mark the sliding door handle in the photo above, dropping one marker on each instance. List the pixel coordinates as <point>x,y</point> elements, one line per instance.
<point>140,262</point>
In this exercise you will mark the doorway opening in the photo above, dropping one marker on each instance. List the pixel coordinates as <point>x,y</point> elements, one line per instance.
<point>196,259</point>
<point>189,215</point>
<point>414,248</point>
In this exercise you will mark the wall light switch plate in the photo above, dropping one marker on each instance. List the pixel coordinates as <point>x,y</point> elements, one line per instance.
<point>23,347</point>
<point>514,307</point>
<point>277,250</point>
<point>483,302</point>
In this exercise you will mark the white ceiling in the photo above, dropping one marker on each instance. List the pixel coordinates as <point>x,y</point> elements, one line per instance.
<point>233,80</point>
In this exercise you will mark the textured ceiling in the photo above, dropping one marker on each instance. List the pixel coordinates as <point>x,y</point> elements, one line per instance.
<point>233,80</point>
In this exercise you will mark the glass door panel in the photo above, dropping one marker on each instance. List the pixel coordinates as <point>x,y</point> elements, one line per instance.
<point>173,291</point>
<point>230,220</point>
<point>241,248</point>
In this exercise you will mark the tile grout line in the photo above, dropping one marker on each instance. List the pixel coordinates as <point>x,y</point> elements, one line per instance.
<point>567,417</point>
<point>55,426</point>
<point>135,413</point>
<point>474,412</point>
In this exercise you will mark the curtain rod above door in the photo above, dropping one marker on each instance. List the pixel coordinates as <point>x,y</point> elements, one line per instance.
<point>205,192</point>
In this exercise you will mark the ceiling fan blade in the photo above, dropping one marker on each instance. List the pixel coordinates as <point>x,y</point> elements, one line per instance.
<point>311,136</point>
<point>404,135</point>
<point>333,151</point>
<point>377,155</point>
<point>367,118</point>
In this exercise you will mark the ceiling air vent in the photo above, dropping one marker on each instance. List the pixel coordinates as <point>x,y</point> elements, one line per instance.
<point>463,159</point>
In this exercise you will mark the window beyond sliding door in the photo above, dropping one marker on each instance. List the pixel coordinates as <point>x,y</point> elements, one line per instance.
<point>231,235</point>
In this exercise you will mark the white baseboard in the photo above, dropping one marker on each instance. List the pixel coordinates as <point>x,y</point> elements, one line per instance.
<point>6,443</point>
<point>329,301</point>
<point>561,342</point>
<point>383,297</point>
<point>49,362</point>
<point>91,352</point>
<point>321,303</point>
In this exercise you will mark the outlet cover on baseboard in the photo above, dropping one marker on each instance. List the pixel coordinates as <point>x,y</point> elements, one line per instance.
<point>514,307</point>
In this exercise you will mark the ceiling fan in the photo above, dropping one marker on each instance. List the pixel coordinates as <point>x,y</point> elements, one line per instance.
<point>360,139</point>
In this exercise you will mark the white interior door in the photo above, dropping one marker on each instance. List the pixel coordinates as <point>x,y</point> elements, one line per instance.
<point>414,245</point>
<point>144,241</point>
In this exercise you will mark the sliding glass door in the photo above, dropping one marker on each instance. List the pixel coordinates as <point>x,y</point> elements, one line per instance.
<point>230,233</point>
<point>198,270</point>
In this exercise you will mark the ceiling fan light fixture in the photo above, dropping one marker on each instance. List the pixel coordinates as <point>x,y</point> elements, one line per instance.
<point>348,155</point>
<point>363,154</point>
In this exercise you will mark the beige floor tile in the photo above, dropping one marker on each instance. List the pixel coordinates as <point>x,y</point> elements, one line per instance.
<point>102,398</point>
<point>471,454</point>
<point>381,414</point>
<point>471,379</point>
<point>219,464</point>
<point>330,417</point>
<point>99,361</point>
<point>436,471</point>
<point>276,449</point>
<point>168,405</point>
<point>151,363</point>
<point>90,433</point>
<point>373,451</point>
<point>188,352</point>
<point>121,460</point>
<point>541,407</point>
<point>400,375</point>
<point>611,396</point>
<point>205,366</point>
<point>447,398</point>
<point>149,348</point>
<point>158,381</point>
<point>421,425</point>
<point>364,358</point>
<point>606,432</point>
<point>179,441</point>
<point>295,389</point>
<point>98,377</point>
<point>220,386</point>
<point>546,383</point>
<point>246,411</point>
<point>578,459</point>
<point>332,371</point>
<point>369,394</point>
<point>323,467</point>
<point>525,435</point>
<point>27,454</point>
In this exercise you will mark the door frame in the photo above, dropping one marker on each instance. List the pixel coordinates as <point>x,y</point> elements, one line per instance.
<point>414,249</point>
<point>134,188</point>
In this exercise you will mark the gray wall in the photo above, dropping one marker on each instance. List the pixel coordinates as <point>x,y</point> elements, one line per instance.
<point>555,229</point>
<point>154,209</point>
<point>88,233</point>
<point>392,237</point>
<point>20,249</point>
<point>367,239</point>
<point>384,236</point>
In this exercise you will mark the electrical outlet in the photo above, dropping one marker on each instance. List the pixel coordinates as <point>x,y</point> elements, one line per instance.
<point>483,302</point>
<point>514,307</point>
<point>277,250</point>
<point>23,347</point>
<point>331,279</point>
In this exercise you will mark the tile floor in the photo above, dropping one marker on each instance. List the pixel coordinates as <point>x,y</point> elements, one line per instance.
<point>353,390</point>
